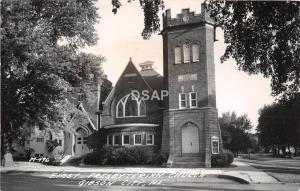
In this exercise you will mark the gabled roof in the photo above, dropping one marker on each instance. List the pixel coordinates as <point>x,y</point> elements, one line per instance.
<point>152,78</point>
<point>81,107</point>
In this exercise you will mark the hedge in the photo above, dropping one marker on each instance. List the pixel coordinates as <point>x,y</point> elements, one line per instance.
<point>222,159</point>
<point>109,155</point>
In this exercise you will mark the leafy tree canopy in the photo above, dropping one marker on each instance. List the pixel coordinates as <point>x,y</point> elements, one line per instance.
<point>279,125</point>
<point>263,37</point>
<point>40,57</point>
<point>151,18</point>
<point>231,119</point>
<point>234,132</point>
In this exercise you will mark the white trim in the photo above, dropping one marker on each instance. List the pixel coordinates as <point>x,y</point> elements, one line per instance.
<point>190,99</point>
<point>188,47</point>
<point>92,124</point>
<point>193,51</point>
<point>134,139</point>
<point>215,139</point>
<point>152,139</point>
<point>124,100</point>
<point>175,55</point>
<point>123,139</point>
<point>114,140</point>
<point>132,125</point>
<point>180,106</point>
<point>112,92</point>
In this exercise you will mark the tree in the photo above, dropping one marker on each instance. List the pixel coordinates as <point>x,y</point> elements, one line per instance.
<point>262,36</point>
<point>279,127</point>
<point>234,132</point>
<point>151,18</point>
<point>41,61</point>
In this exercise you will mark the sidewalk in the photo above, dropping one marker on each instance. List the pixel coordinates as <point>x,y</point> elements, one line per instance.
<point>241,171</point>
<point>275,163</point>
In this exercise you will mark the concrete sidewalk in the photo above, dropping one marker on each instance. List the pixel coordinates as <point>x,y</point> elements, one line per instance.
<point>241,171</point>
<point>274,163</point>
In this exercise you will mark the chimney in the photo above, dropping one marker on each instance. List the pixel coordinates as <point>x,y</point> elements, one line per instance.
<point>146,65</point>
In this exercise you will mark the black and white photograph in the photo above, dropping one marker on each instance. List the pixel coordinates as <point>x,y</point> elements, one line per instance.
<point>150,95</point>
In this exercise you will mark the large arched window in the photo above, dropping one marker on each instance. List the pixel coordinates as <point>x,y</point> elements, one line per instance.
<point>186,53</point>
<point>131,106</point>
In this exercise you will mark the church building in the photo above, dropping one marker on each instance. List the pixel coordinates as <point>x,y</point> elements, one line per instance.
<point>183,124</point>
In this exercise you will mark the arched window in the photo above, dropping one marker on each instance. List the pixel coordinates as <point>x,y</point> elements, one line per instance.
<point>142,108</point>
<point>177,55</point>
<point>195,50</point>
<point>121,107</point>
<point>186,53</point>
<point>131,106</point>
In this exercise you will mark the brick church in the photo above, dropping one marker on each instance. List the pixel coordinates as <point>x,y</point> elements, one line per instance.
<point>185,123</point>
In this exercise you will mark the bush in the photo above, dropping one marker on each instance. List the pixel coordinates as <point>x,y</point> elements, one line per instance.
<point>230,157</point>
<point>29,152</point>
<point>109,155</point>
<point>91,158</point>
<point>159,159</point>
<point>222,159</point>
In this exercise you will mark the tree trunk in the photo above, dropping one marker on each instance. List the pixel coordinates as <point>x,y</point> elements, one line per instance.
<point>283,148</point>
<point>274,150</point>
<point>6,156</point>
<point>296,151</point>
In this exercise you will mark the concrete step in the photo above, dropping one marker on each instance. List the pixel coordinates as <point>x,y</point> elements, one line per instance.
<point>189,161</point>
<point>188,164</point>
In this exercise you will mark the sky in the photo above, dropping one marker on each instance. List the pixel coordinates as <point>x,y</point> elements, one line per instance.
<point>120,38</point>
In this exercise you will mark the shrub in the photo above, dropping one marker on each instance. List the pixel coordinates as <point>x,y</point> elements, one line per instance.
<point>159,159</point>
<point>230,157</point>
<point>92,158</point>
<point>58,153</point>
<point>109,155</point>
<point>29,152</point>
<point>222,159</point>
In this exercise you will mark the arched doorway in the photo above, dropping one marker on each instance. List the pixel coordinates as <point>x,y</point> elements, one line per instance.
<point>81,142</point>
<point>190,138</point>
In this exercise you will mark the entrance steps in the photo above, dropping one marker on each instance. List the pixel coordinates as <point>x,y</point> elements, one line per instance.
<point>193,160</point>
<point>72,161</point>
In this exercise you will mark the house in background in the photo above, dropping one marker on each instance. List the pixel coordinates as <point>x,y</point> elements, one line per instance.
<point>74,138</point>
<point>37,141</point>
<point>78,132</point>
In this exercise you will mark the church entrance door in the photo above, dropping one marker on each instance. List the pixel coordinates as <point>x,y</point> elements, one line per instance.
<point>190,138</point>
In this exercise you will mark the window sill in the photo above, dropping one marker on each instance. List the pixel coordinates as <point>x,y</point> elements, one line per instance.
<point>183,108</point>
<point>130,117</point>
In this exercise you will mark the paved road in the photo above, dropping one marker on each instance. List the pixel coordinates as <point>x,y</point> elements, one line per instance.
<point>24,181</point>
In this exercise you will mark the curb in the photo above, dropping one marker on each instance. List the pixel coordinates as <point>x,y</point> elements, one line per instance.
<point>228,177</point>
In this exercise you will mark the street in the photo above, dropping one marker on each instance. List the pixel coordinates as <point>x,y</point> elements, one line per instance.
<point>28,181</point>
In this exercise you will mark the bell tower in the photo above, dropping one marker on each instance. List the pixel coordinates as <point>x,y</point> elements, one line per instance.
<point>190,126</point>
